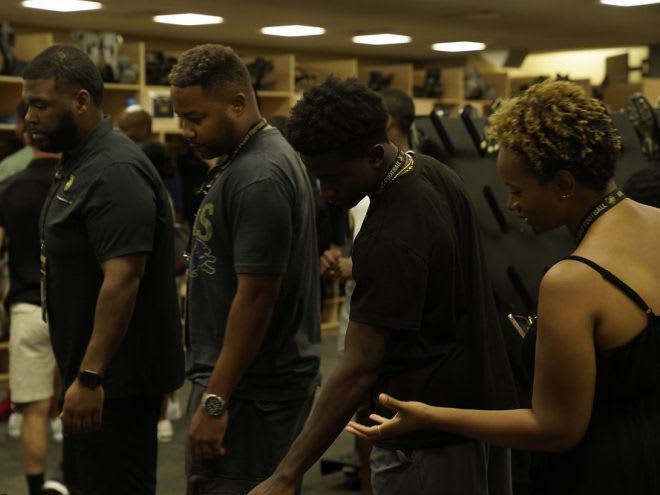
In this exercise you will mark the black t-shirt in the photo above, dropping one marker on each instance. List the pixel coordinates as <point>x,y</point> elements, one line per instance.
<point>108,201</point>
<point>21,200</point>
<point>420,272</point>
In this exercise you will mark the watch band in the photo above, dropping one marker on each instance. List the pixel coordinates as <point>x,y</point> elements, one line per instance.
<point>90,379</point>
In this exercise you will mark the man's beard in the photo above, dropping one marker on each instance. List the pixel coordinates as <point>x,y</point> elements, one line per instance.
<point>63,137</point>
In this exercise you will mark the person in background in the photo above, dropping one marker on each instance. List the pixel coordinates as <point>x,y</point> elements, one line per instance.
<point>20,159</point>
<point>400,109</point>
<point>136,123</point>
<point>32,364</point>
<point>594,420</point>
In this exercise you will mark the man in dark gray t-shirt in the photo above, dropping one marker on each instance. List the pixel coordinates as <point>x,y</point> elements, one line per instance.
<point>252,329</point>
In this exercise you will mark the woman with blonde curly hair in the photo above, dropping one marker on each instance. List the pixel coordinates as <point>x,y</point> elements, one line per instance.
<point>595,413</point>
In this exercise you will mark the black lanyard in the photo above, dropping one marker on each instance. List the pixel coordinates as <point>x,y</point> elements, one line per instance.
<point>603,206</point>
<point>403,163</point>
<point>216,171</point>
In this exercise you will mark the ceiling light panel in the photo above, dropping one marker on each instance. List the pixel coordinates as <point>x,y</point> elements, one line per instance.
<point>293,30</point>
<point>188,19</point>
<point>628,3</point>
<point>458,46</point>
<point>61,5</point>
<point>382,39</point>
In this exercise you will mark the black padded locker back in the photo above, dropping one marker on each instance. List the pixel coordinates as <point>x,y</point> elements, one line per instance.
<point>632,159</point>
<point>517,257</point>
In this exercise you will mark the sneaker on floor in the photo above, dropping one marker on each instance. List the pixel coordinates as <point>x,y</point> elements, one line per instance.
<point>56,429</point>
<point>173,411</point>
<point>52,487</point>
<point>14,424</point>
<point>165,431</point>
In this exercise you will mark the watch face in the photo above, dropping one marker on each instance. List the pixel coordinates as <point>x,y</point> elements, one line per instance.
<point>214,405</point>
<point>89,379</point>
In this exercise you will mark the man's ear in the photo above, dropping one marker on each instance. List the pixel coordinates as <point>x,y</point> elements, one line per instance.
<point>390,122</point>
<point>238,103</point>
<point>564,184</point>
<point>376,155</point>
<point>82,102</point>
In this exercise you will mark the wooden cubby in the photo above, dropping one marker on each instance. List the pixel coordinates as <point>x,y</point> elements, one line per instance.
<point>453,96</point>
<point>278,98</point>
<point>402,75</point>
<point>616,95</point>
<point>320,70</point>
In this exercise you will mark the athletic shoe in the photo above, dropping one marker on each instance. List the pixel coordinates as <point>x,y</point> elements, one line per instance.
<point>165,431</point>
<point>173,411</point>
<point>53,487</point>
<point>56,429</point>
<point>14,424</point>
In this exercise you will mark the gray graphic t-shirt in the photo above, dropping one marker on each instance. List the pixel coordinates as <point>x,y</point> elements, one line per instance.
<point>258,218</point>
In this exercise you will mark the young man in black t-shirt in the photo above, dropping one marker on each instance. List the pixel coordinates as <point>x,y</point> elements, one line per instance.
<point>423,322</point>
<point>108,277</point>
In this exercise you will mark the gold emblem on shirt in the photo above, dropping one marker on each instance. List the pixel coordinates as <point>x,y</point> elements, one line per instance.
<point>69,182</point>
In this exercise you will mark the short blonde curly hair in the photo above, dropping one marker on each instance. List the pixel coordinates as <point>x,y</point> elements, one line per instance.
<point>555,126</point>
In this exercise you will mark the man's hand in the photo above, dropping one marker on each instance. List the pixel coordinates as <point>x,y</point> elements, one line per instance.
<point>205,435</point>
<point>274,485</point>
<point>328,263</point>
<point>345,267</point>
<point>83,408</point>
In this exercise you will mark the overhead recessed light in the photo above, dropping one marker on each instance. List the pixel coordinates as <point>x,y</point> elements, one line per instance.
<point>61,5</point>
<point>458,46</point>
<point>293,30</point>
<point>188,19</point>
<point>381,39</point>
<point>628,3</point>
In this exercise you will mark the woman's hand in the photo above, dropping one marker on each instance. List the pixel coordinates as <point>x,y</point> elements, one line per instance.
<point>410,416</point>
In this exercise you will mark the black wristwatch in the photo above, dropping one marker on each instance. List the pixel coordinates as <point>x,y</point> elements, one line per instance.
<point>90,379</point>
<point>214,405</point>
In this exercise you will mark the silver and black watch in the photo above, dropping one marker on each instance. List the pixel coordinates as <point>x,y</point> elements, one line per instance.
<point>213,404</point>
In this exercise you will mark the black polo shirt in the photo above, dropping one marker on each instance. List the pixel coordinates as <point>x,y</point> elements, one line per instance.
<point>107,201</point>
<point>21,200</point>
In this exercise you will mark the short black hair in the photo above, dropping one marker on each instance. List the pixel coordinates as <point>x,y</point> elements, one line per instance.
<point>67,66</point>
<point>400,106</point>
<point>338,115</point>
<point>210,66</point>
<point>555,126</point>
<point>644,187</point>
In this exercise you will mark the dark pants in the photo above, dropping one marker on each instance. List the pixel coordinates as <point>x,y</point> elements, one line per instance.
<point>257,438</point>
<point>119,458</point>
<point>469,468</point>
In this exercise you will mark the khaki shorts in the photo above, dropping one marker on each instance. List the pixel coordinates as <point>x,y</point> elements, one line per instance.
<point>31,360</point>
